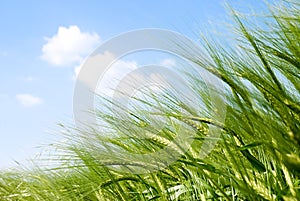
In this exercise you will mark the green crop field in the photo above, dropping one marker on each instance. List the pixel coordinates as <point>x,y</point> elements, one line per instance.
<point>257,154</point>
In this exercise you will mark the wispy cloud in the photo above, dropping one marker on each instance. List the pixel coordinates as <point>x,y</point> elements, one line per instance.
<point>28,78</point>
<point>94,61</point>
<point>69,46</point>
<point>114,75</point>
<point>168,63</point>
<point>28,100</point>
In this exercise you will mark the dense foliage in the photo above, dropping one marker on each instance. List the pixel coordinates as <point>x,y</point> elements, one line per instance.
<point>257,156</point>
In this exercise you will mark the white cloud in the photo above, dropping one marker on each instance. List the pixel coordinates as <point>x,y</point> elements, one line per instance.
<point>27,78</point>
<point>76,71</point>
<point>117,72</point>
<point>114,75</point>
<point>120,68</point>
<point>168,63</point>
<point>93,66</point>
<point>28,100</point>
<point>69,46</point>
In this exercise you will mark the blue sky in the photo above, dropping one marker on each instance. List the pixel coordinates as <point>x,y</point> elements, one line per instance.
<point>42,43</point>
